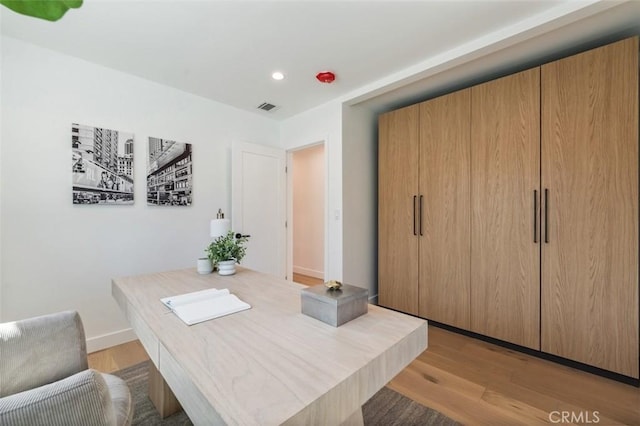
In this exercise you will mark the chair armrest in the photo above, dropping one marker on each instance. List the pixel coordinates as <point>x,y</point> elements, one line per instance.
<point>41,350</point>
<point>82,399</point>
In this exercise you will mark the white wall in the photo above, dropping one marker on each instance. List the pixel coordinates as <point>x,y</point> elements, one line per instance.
<point>360,198</point>
<point>350,139</point>
<point>59,256</point>
<point>308,211</point>
<point>323,123</point>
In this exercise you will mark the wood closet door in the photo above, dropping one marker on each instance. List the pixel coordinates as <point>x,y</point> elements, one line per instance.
<point>505,172</point>
<point>445,242</point>
<point>590,167</point>
<point>397,224</point>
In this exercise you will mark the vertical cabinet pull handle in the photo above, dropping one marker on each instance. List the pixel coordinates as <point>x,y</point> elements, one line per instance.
<point>535,216</point>
<point>420,224</point>
<point>546,215</point>
<point>414,215</point>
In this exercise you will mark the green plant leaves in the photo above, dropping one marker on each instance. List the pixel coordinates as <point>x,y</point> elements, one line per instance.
<point>227,247</point>
<point>51,10</point>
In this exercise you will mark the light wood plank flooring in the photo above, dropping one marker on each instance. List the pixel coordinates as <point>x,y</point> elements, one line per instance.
<point>118,357</point>
<point>477,383</point>
<point>306,280</point>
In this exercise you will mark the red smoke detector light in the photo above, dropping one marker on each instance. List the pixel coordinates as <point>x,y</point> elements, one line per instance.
<point>326,77</point>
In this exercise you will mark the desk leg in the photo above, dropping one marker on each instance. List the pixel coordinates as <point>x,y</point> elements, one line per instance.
<point>161,395</point>
<point>354,419</point>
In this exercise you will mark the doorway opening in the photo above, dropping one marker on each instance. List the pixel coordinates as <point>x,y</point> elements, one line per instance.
<point>306,214</point>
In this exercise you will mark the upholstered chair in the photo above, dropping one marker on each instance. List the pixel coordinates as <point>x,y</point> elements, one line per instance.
<point>45,380</point>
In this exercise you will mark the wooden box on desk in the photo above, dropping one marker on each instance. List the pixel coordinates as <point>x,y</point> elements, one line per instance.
<point>334,307</point>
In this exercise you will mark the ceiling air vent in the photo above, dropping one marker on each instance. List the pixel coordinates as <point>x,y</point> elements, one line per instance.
<point>266,106</point>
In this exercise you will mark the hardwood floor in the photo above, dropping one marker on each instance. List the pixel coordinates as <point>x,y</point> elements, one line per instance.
<point>118,357</point>
<point>477,383</point>
<point>306,280</point>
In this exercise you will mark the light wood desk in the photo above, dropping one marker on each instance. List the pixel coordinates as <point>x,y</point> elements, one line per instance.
<point>270,364</point>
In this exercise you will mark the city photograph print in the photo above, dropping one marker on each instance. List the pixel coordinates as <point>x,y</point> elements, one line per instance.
<point>102,165</point>
<point>169,173</point>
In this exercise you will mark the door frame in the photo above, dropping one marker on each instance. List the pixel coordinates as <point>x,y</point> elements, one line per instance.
<point>289,197</point>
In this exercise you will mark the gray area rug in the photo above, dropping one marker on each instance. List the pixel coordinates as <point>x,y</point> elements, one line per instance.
<point>385,408</point>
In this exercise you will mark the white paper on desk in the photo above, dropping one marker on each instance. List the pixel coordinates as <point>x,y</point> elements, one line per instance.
<point>204,305</point>
<point>183,299</point>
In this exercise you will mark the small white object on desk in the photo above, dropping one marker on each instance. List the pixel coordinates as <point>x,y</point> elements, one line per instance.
<point>219,227</point>
<point>204,305</point>
<point>204,265</point>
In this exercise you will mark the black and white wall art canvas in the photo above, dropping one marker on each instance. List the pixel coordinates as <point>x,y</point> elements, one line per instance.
<point>169,173</point>
<point>102,165</point>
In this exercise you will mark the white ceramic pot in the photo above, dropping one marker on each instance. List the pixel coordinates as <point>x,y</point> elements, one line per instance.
<point>205,266</point>
<point>227,267</point>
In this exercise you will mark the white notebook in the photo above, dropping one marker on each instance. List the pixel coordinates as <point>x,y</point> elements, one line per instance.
<point>204,305</point>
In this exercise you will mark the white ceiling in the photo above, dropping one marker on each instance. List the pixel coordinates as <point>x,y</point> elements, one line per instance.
<point>227,50</point>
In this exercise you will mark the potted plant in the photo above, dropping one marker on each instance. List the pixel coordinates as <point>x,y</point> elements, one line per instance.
<point>225,251</point>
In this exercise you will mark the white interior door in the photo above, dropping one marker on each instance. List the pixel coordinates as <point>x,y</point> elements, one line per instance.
<point>258,202</point>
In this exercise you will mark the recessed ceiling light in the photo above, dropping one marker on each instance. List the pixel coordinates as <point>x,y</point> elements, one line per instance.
<point>277,75</point>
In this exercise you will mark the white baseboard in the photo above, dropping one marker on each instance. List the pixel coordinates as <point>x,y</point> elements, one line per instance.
<point>308,272</point>
<point>108,340</point>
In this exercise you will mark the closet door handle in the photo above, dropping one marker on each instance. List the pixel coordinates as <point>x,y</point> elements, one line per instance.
<point>420,224</point>
<point>414,214</point>
<point>535,216</point>
<point>546,215</point>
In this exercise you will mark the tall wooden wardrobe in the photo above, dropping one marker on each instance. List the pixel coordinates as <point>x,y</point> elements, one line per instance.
<point>423,203</point>
<point>397,194</point>
<point>505,170</point>
<point>590,184</point>
<point>510,208</point>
